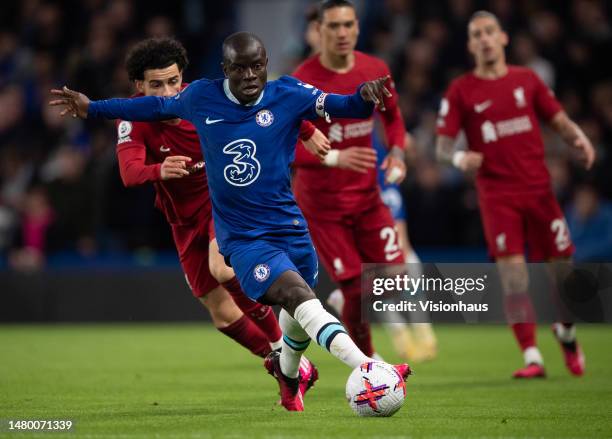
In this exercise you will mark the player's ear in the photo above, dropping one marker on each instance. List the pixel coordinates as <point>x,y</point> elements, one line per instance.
<point>504,39</point>
<point>224,68</point>
<point>139,86</point>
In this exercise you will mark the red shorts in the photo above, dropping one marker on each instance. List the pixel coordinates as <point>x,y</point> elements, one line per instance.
<point>192,245</point>
<point>343,245</point>
<point>533,221</point>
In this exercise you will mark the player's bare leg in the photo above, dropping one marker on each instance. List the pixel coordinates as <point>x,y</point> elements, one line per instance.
<point>228,319</point>
<point>425,342</point>
<point>520,313</point>
<point>304,318</point>
<point>261,315</point>
<point>565,332</point>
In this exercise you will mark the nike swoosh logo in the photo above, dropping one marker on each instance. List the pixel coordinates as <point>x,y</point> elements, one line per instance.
<point>479,108</point>
<point>164,148</point>
<point>211,121</point>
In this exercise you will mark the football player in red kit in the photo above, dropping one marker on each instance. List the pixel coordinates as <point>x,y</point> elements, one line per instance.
<point>498,106</point>
<point>340,198</point>
<point>168,154</point>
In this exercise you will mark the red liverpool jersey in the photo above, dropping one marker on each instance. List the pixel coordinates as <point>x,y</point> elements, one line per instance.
<point>330,193</point>
<point>500,120</point>
<point>143,146</point>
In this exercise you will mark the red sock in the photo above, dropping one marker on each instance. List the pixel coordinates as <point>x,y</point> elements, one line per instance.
<point>525,334</point>
<point>261,315</point>
<point>351,316</point>
<point>248,335</point>
<point>521,316</point>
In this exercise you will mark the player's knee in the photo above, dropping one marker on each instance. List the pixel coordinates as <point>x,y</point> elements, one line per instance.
<point>515,278</point>
<point>291,296</point>
<point>296,295</point>
<point>223,311</point>
<point>221,272</point>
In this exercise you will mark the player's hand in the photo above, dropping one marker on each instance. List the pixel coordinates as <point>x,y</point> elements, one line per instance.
<point>318,144</point>
<point>583,143</point>
<point>376,92</point>
<point>394,166</point>
<point>357,158</point>
<point>174,167</point>
<point>72,102</point>
<point>471,161</point>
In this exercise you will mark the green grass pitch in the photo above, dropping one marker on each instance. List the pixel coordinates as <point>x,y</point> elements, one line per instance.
<point>188,381</point>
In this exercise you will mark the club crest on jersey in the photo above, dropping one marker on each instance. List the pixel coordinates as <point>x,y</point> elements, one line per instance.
<point>261,272</point>
<point>123,131</point>
<point>519,97</point>
<point>124,128</point>
<point>264,118</point>
<point>244,168</point>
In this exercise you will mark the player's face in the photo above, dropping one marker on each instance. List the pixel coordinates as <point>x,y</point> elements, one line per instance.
<point>339,30</point>
<point>486,40</point>
<point>161,82</point>
<point>247,72</point>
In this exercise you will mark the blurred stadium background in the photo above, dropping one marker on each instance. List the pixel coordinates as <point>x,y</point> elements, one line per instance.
<point>76,245</point>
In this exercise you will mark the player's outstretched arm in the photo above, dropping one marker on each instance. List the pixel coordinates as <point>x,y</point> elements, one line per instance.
<point>467,161</point>
<point>145,108</point>
<point>376,92</point>
<point>357,106</point>
<point>571,134</point>
<point>71,102</point>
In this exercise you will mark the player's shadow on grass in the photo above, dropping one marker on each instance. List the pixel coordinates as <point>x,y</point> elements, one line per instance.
<point>172,411</point>
<point>501,382</point>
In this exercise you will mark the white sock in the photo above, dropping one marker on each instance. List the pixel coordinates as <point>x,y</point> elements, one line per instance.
<point>533,355</point>
<point>294,343</point>
<point>328,333</point>
<point>276,345</point>
<point>565,335</point>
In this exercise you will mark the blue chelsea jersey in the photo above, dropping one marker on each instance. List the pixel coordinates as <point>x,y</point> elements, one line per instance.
<point>248,151</point>
<point>248,148</point>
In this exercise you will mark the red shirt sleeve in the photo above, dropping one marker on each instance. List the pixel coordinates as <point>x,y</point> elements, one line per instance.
<point>546,104</point>
<point>307,129</point>
<point>132,155</point>
<point>392,116</point>
<point>449,116</point>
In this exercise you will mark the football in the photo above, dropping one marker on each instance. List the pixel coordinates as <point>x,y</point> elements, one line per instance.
<point>375,389</point>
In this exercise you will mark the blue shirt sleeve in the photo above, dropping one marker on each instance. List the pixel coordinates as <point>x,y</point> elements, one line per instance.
<point>146,108</point>
<point>313,103</point>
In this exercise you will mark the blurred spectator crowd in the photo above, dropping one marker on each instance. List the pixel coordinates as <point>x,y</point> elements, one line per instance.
<point>59,183</point>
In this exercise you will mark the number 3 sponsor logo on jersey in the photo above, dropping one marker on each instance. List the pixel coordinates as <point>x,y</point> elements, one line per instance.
<point>244,168</point>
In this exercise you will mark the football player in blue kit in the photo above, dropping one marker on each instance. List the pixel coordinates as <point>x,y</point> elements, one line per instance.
<point>248,129</point>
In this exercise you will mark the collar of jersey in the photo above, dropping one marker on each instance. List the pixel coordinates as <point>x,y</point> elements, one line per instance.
<point>232,98</point>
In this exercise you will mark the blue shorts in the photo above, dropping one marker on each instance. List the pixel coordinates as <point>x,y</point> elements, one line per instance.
<point>392,197</point>
<point>259,263</point>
